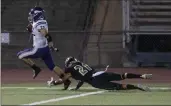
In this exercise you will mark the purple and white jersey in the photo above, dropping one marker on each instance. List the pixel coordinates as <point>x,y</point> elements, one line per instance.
<point>39,40</point>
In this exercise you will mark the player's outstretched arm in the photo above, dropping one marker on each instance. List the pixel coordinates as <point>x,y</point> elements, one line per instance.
<point>80,83</point>
<point>67,84</point>
<point>64,78</point>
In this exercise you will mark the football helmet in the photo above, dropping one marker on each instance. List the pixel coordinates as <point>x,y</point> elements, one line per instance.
<point>35,14</point>
<point>69,60</point>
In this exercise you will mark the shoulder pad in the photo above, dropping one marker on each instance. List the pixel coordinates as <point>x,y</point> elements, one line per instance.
<point>41,22</point>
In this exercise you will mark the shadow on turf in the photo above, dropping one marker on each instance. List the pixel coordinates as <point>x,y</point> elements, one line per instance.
<point>83,90</point>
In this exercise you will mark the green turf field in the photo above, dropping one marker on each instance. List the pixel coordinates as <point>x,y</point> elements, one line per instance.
<point>18,94</point>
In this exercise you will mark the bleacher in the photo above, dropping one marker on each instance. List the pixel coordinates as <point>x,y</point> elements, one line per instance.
<point>150,15</point>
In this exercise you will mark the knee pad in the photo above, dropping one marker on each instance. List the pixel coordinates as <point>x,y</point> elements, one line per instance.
<point>18,55</point>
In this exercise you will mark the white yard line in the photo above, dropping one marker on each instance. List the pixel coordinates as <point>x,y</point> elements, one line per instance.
<point>62,98</point>
<point>68,97</point>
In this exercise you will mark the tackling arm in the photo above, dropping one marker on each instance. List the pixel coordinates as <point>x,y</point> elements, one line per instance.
<point>80,83</point>
<point>67,84</point>
<point>63,79</point>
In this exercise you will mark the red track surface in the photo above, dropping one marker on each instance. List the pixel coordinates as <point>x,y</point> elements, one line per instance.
<point>11,76</point>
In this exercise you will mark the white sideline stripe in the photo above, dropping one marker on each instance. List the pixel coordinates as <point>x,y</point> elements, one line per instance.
<point>160,88</point>
<point>39,88</point>
<point>32,88</point>
<point>63,98</point>
<point>87,88</point>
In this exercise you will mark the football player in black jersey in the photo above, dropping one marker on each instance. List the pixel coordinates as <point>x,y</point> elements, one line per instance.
<point>98,79</point>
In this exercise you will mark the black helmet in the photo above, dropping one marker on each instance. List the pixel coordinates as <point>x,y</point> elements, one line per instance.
<point>69,60</point>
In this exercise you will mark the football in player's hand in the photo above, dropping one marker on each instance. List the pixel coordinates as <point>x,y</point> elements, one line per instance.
<point>29,27</point>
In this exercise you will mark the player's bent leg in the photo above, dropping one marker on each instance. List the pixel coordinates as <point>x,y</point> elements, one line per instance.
<point>107,76</point>
<point>131,75</point>
<point>58,71</point>
<point>25,55</point>
<point>132,87</point>
<point>65,77</point>
<point>50,64</point>
<point>101,83</point>
<point>36,69</point>
<point>53,82</point>
<point>105,85</point>
<point>29,62</point>
<point>117,86</point>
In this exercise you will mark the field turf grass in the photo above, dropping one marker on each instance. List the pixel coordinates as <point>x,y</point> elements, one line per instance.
<point>18,94</point>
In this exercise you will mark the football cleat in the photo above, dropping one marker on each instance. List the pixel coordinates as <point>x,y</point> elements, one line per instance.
<point>51,82</point>
<point>143,88</point>
<point>36,72</point>
<point>146,76</point>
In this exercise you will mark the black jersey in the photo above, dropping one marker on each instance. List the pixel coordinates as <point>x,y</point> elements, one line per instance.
<point>80,71</point>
